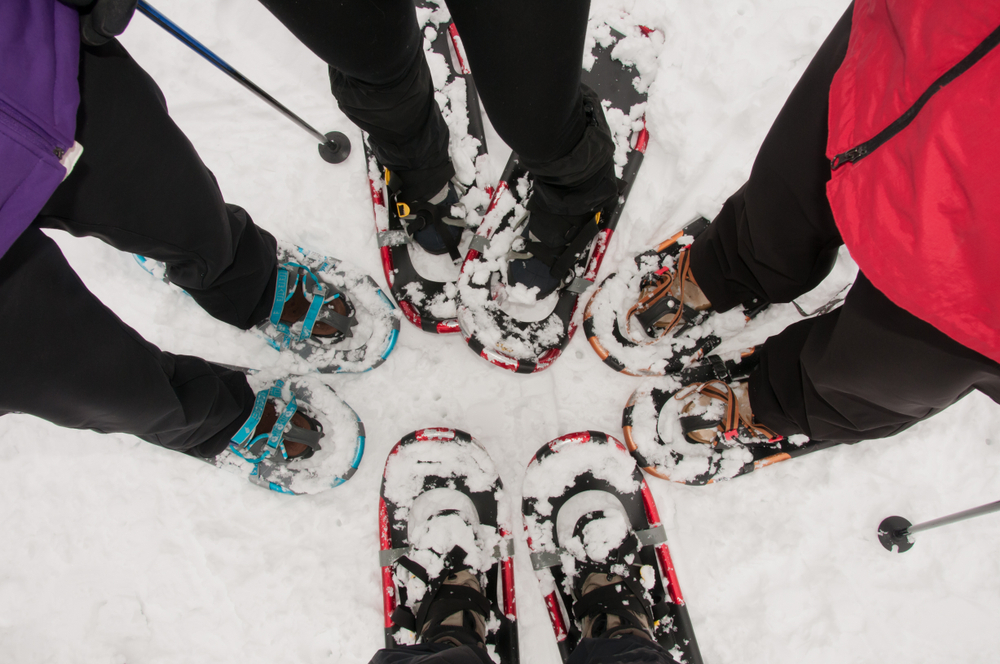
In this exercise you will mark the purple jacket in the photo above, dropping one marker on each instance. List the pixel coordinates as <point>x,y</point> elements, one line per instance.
<point>39,95</point>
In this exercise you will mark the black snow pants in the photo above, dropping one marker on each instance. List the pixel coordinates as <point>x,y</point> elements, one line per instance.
<point>866,370</point>
<point>624,650</point>
<point>526,57</point>
<point>140,187</point>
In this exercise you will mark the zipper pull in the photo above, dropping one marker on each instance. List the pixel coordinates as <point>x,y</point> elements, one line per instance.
<point>851,155</point>
<point>58,152</point>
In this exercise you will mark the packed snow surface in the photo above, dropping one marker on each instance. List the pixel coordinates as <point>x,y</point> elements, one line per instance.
<point>118,551</point>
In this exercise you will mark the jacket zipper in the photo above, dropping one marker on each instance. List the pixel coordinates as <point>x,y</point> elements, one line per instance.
<point>864,149</point>
<point>22,126</point>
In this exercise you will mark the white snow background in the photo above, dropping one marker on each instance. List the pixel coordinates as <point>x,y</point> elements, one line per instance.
<point>118,551</point>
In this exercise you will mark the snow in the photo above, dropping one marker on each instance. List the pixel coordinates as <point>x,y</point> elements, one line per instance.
<point>117,551</point>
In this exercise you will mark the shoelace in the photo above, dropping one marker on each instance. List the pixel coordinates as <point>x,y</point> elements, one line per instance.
<point>733,418</point>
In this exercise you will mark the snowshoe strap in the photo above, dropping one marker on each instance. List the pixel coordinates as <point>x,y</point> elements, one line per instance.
<point>616,601</point>
<point>418,215</point>
<point>732,421</point>
<point>649,537</point>
<point>317,291</point>
<point>446,600</point>
<point>387,557</point>
<point>562,260</point>
<point>658,302</point>
<point>342,323</point>
<point>264,445</point>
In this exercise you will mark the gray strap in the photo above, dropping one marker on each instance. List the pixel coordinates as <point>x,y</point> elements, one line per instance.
<point>341,322</point>
<point>546,559</point>
<point>387,557</point>
<point>479,243</point>
<point>579,285</point>
<point>308,437</point>
<point>653,536</point>
<point>393,238</point>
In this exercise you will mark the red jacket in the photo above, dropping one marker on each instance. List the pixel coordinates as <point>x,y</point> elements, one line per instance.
<point>920,213</point>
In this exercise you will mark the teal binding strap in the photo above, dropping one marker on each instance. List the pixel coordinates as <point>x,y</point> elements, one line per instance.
<point>281,287</point>
<point>260,447</point>
<point>318,300</point>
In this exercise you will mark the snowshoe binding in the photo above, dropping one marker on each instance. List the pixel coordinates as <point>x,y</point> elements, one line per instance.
<point>325,311</point>
<point>446,546</point>
<point>420,241</point>
<point>669,323</point>
<point>499,312</point>
<point>300,438</point>
<point>598,547</point>
<point>697,428</point>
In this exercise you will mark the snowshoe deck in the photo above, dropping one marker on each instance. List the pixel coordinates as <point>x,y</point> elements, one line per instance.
<point>445,467</point>
<point>490,331</point>
<point>373,332</point>
<point>606,475</point>
<point>430,304</point>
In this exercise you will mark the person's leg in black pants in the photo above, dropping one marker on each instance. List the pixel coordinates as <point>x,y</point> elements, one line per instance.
<point>73,362</point>
<point>866,370</point>
<point>526,58</point>
<point>141,187</point>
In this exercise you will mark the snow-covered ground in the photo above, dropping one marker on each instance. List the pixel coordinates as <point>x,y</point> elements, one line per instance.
<point>117,551</point>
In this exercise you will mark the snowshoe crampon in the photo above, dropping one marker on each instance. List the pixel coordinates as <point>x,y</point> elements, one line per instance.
<point>529,336</point>
<point>362,323</point>
<point>572,482</point>
<point>443,512</point>
<point>424,284</point>
<point>654,430</point>
<point>304,411</point>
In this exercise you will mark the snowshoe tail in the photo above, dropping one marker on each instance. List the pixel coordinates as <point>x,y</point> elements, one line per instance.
<point>613,482</point>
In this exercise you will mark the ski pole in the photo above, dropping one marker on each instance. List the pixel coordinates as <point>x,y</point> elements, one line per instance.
<point>334,147</point>
<point>896,531</point>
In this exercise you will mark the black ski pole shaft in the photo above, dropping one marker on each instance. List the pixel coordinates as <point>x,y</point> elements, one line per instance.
<point>334,146</point>
<point>895,530</point>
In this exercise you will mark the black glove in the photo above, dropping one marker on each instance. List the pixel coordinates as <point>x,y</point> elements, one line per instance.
<point>102,20</point>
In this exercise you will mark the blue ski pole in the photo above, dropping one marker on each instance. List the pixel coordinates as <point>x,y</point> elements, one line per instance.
<point>334,146</point>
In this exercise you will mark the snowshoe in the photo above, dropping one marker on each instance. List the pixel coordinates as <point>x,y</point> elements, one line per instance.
<point>328,313</point>
<point>695,429</point>
<point>419,241</point>
<point>511,328</point>
<point>300,438</point>
<point>588,513</point>
<point>446,546</point>
<point>665,328</point>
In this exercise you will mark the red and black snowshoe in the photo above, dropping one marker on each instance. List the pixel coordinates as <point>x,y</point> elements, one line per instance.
<point>446,545</point>
<point>424,284</point>
<point>587,511</point>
